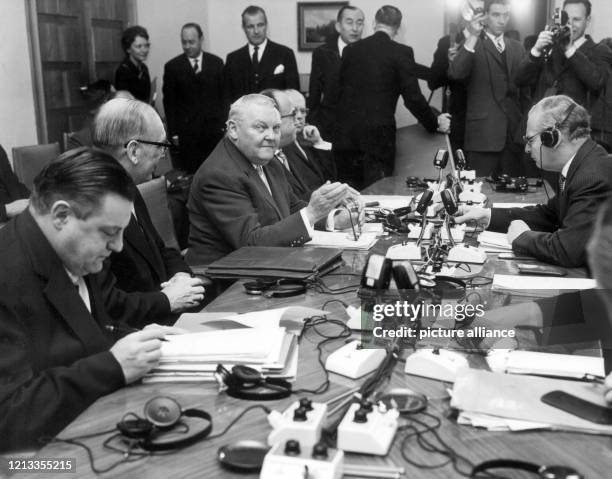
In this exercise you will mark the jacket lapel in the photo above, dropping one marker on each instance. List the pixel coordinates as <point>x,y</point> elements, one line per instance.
<point>247,168</point>
<point>491,50</point>
<point>584,150</point>
<point>58,289</point>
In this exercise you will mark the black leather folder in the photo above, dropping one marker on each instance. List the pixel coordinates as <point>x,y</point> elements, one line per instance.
<point>275,262</point>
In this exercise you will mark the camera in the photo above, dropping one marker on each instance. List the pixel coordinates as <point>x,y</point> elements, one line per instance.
<point>560,29</point>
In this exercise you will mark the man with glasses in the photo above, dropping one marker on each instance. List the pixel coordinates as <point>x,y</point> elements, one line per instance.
<point>313,153</point>
<point>134,134</point>
<point>557,232</point>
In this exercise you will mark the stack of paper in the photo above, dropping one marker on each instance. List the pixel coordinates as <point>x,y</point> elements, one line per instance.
<point>539,286</point>
<point>342,239</point>
<point>512,205</point>
<point>509,401</point>
<point>494,242</point>
<point>260,340</point>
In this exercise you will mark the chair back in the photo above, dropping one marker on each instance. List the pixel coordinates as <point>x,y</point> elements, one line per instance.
<point>29,160</point>
<point>156,198</point>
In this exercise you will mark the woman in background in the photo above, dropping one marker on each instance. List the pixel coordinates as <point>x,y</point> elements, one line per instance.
<point>133,74</point>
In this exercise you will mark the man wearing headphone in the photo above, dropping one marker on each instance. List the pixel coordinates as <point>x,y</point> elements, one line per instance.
<point>556,232</point>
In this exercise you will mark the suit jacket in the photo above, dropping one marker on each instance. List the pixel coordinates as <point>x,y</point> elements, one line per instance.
<point>456,102</point>
<point>145,262</point>
<point>194,106</point>
<point>374,72</point>
<point>313,169</point>
<point>137,82</point>
<point>230,207</point>
<point>495,104</point>
<point>561,228</point>
<point>581,77</point>
<point>10,187</point>
<point>240,78</point>
<point>54,359</point>
<point>323,89</point>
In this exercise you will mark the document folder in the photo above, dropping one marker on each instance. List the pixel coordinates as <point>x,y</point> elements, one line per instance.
<point>275,262</point>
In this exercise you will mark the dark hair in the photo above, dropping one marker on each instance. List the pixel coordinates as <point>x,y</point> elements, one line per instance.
<point>82,177</point>
<point>389,15</point>
<point>344,9</point>
<point>97,93</point>
<point>586,3</point>
<point>254,10</point>
<point>193,25</point>
<point>129,35</point>
<point>488,3</point>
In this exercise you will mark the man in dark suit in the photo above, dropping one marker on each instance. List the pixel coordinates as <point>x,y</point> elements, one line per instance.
<point>374,73</point>
<point>58,355</point>
<point>574,65</point>
<point>13,194</point>
<point>240,196</point>
<point>488,63</point>
<point>325,69</point>
<point>193,99</point>
<point>558,231</point>
<point>314,153</point>
<point>261,63</point>
<point>133,132</point>
<point>454,99</point>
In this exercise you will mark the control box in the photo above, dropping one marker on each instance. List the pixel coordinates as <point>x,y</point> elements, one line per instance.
<point>368,429</point>
<point>291,460</point>
<point>303,421</point>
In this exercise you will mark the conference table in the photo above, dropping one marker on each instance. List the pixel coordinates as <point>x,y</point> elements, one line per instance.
<point>589,454</point>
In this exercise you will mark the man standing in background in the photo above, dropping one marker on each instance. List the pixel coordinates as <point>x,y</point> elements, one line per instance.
<point>488,63</point>
<point>261,63</point>
<point>325,69</point>
<point>375,71</point>
<point>193,99</point>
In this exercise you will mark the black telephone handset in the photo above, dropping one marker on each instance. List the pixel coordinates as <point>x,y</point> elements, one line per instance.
<point>578,407</point>
<point>378,271</point>
<point>426,197</point>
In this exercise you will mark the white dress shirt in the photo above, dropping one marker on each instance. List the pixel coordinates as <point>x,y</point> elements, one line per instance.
<point>260,51</point>
<point>79,282</point>
<point>199,60</point>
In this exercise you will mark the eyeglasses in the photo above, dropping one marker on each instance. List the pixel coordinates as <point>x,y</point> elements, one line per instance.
<point>303,111</point>
<point>529,139</point>
<point>291,114</point>
<point>159,144</point>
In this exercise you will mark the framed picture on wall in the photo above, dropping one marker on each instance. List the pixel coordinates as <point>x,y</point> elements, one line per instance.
<point>316,23</point>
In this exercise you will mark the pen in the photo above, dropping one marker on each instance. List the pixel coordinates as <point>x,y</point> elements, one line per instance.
<point>126,329</point>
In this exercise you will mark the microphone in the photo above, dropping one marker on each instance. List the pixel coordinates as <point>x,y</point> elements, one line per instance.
<point>424,202</point>
<point>422,210</point>
<point>450,205</point>
<point>441,159</point>
<point>460,160</point>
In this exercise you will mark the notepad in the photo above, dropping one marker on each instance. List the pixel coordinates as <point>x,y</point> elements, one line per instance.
<point>494,242</point>
<point>343,240</point>
<point>535,284</point>
<point>512,205</point>
<point>545,364</point>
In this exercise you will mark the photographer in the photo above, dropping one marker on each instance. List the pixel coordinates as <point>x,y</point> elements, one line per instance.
<point>566,61</point>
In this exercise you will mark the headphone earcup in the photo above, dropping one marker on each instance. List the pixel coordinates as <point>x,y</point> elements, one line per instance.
<point>163,411</point>
<point>246,375</point>
<point>550,138</point>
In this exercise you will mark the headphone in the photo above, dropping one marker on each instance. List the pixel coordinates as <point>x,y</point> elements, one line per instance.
<point>543,472</point>
<point>242,381</point>
<point>551,137</point>
<point>278,288</point>
<point>162,414</point>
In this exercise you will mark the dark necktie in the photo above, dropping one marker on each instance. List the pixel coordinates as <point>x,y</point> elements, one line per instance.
<point>255,58</point>
<point>561,183</point>
<point>195,66</point>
